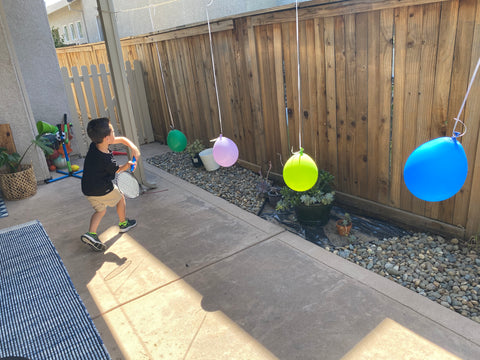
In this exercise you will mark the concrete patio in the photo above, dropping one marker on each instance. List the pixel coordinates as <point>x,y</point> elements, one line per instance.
<point>199,278</point>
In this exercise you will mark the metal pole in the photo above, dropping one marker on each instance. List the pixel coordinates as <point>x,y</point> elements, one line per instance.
<point>119,79</point>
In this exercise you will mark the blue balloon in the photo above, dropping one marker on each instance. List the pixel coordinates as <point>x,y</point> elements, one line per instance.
<point>436,170</point>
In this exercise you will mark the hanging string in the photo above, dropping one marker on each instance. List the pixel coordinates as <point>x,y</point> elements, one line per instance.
<point>172,123</point>
<point>213,66</point>
<point>457,119</point>
<point>300,118</point>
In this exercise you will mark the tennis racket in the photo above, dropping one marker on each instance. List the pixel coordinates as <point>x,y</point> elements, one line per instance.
<point>127,184</point>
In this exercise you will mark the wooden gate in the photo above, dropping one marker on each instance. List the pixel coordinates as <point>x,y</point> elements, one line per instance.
<point>90,95</point>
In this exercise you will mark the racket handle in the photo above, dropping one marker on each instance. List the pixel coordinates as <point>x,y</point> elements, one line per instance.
<point>133,165</point>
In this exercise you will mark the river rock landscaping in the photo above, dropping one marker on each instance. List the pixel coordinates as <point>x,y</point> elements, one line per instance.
<point>444,270</point>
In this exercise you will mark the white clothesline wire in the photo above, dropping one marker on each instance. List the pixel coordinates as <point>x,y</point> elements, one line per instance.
<point>213,66</point>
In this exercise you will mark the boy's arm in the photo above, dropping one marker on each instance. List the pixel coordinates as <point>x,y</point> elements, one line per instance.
<point>125,141</point>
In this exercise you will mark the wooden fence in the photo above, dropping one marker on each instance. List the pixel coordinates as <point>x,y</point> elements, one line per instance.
<point>90,96</point>
<point>379,78</point>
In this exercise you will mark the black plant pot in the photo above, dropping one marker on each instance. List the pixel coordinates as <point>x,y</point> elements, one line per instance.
<point>273,198</point>
<point>196,161</point>
<point>317,214</point>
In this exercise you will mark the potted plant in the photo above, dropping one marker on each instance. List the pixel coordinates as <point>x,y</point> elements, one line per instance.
<point>266,189</point>
<point>344,225</point>
<point>312,207</point>
<point>193,150</point>
<point>18,181</point>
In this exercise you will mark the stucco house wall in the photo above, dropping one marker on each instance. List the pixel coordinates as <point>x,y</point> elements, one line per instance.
<point>69,17</point>
<point>31,85</point>
<point>137,17</point>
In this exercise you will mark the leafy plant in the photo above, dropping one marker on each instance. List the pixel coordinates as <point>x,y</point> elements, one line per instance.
<point>194,148</point>
<point>14,160</point>
<point>346,220</point>
<point>57,38</point>
<point>320,193</point>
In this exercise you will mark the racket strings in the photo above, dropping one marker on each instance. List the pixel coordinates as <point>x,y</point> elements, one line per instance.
<point>128,185</point>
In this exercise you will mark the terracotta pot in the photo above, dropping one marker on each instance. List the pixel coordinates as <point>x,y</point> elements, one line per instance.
<point>343,230</point>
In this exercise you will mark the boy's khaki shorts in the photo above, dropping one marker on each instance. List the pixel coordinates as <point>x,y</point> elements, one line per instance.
<point>111,199</point>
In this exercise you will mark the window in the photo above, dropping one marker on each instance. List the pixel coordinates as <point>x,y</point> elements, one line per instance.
<point>79,30</point>
<point>73,32</point>
<point>65,33</point>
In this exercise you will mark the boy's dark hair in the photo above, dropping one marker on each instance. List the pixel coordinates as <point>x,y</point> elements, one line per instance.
<point>98,129</point>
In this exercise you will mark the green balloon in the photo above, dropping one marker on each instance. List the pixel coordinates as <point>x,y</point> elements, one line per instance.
<point>300,172</point>
<point>176,141</point>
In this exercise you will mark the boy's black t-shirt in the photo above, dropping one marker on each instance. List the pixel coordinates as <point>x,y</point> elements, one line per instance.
<point>99,170</point>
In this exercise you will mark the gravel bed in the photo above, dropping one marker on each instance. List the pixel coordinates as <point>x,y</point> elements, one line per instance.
<point>446,271</point>
<point>234,184</point>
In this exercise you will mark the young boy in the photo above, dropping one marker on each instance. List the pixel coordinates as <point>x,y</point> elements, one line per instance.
<point>99,170</point>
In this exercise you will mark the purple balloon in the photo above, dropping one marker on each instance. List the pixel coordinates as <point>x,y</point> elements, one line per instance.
<point>225,152</point>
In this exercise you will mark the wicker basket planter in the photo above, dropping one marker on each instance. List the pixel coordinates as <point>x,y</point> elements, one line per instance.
<point>19,185</point>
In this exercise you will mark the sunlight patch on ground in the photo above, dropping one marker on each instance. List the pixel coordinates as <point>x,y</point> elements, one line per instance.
<point>153,314</point>
<point>392,341</point>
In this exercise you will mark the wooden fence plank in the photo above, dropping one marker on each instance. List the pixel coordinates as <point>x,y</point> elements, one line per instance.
<point>111,102</point>
<point>431,20</point>
<point>360,128</point>
<point>245,123</point>
<point>311,118</point>
<point>265,49</point>
<point>375,155</point>
<point>289,57</point>
<point>100,98</point>
<point>443,66</point>
<point>77,84</point>
<point>383,124</point>
<point>412,78</point>
<point>470,141</point>
<point>331,90</point>
<point>321,149</point>
<point>346,98</point>
<point>460,78</point>
<point>87,87</point>
<point>398,107</point>
<point>213,126</point>
<point>250,49</point>
<point>75,118</point>
<point>283,144</point>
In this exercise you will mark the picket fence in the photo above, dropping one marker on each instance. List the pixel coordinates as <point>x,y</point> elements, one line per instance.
<point>90,95</point>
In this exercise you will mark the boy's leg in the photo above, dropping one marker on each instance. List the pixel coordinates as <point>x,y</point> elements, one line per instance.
<point>91,238</point>
<point>124,223</point>
<point>95,220</point>
<point>121,209</point>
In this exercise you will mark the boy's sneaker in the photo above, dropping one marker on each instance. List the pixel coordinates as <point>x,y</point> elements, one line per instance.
<point>127,225</point>
<point>93,241</point>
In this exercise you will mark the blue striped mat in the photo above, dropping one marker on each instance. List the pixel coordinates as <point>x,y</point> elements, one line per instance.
<point>41,313</point>
<point>3,208</point>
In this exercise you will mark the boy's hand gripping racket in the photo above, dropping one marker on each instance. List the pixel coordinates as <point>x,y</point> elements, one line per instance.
<point>127,184</point>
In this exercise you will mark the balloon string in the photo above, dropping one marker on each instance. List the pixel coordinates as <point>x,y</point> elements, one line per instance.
<point>213,66</point>
<point>172,123</point>
<point>165,88</point>
<point>457,119</point>
<point>300,119</point>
